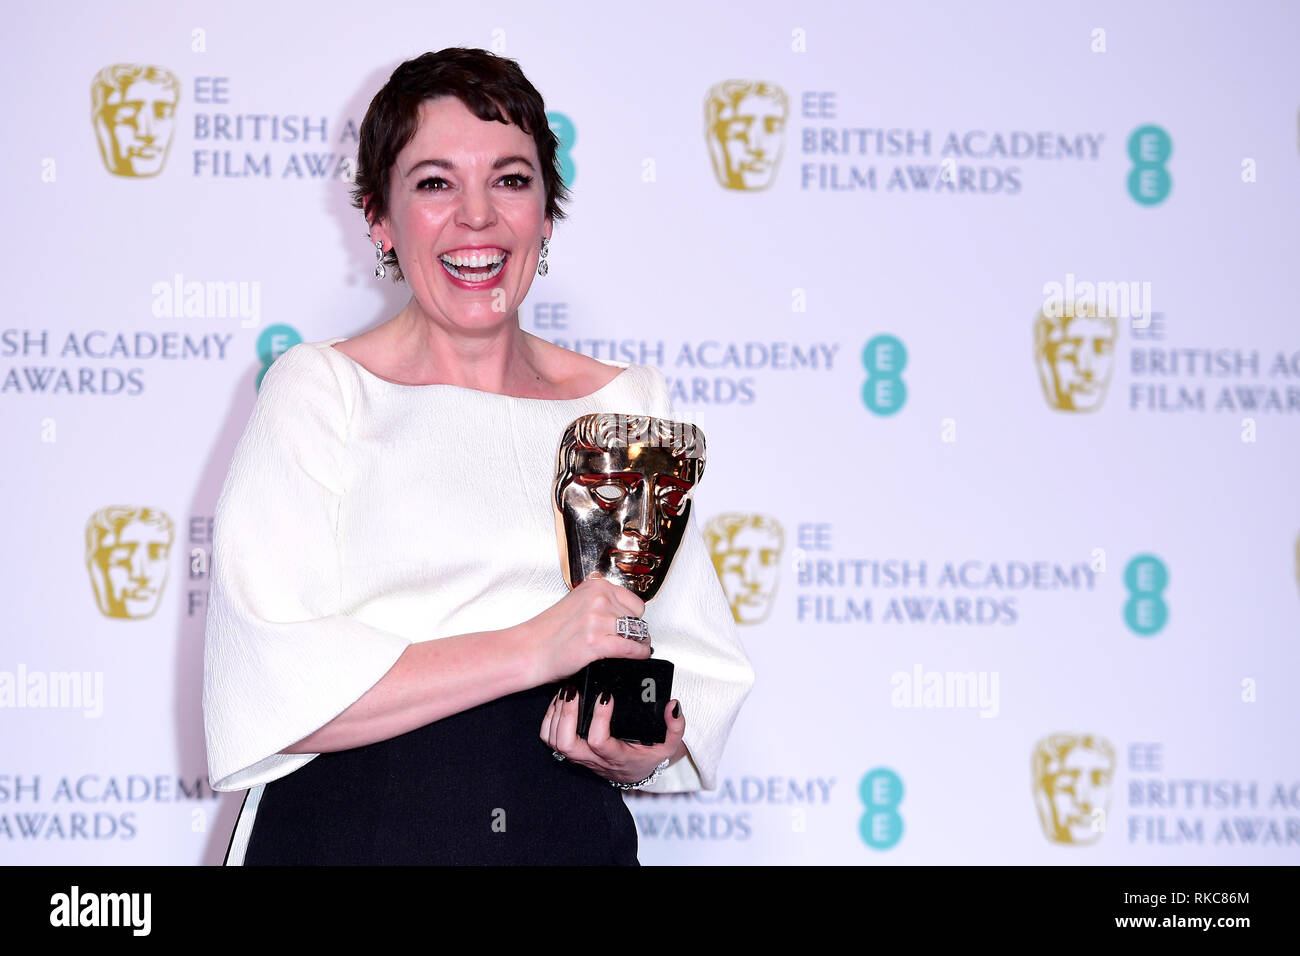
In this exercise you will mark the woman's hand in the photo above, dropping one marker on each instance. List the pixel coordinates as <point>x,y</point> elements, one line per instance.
<point>580,628</point>
<point>608,756</point>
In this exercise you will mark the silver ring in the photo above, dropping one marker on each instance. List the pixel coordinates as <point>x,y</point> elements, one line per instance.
<point>633,628</point>
<point>557,755</point>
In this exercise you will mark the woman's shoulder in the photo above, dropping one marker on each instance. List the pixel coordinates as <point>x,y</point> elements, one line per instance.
<point>305,360</point>
<point>303,378</point>
<point>639,389</point>
<point>572,372</point>
<point>584,375</point>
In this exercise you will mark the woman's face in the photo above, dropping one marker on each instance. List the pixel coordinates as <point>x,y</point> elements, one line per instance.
<point>460,183</point>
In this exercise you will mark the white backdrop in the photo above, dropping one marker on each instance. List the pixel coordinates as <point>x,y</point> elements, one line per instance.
<point>1117,583</point>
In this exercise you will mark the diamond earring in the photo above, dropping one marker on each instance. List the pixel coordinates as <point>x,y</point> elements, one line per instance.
<point>542,267</point>
<point>380,271</point>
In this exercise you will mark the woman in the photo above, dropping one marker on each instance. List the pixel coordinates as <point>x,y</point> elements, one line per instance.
<point>388,630</point>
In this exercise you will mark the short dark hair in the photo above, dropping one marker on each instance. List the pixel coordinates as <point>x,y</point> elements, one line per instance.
<point>492,87</point>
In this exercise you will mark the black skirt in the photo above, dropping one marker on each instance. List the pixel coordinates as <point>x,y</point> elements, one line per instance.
<point>479,788</point>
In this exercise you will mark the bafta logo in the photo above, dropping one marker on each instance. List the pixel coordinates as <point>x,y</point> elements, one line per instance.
<point>744,125</point>
<point>746,552</point>
<point>623,496</point>
<point>133,109</point>
<point>1071,779</point>
<point>1074,350</point>
<point>126,554</point>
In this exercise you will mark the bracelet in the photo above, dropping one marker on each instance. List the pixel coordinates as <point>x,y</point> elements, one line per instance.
<point>663,765</point>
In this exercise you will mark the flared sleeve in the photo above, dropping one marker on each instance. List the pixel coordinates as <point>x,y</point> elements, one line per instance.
<point>280,660</point>
<point>691,624</point>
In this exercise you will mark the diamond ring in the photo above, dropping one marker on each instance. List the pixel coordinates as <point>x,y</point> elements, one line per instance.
<point>633,628</point>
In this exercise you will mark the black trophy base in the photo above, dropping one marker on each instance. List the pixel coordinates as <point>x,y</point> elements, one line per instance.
<point>641,689</point>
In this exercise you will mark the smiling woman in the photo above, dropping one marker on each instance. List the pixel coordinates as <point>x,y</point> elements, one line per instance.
<point>389,633</point>
<point>461,191</point>
<point>464,215</point>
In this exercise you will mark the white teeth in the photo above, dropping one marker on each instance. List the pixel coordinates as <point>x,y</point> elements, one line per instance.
<point>452,270</point>
<point>476,260</point>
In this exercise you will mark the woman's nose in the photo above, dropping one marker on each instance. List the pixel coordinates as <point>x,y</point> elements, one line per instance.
<point>476,209</point>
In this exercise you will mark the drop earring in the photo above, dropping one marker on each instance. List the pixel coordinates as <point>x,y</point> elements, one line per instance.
<point>380,271</point>
<point>542,267</point>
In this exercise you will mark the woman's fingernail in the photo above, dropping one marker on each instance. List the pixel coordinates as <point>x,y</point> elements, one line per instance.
<point>677,710</point>
<point>570,692</point>
<point>606,697</point>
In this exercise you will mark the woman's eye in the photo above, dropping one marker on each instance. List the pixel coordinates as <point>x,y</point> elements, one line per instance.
<point>514,181</point>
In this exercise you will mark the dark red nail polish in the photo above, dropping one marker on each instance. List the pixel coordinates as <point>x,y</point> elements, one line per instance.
<point>677,710</point>
<point>606,697</point>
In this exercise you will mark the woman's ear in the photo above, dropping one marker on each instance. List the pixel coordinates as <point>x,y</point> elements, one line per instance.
<point>378,229</point>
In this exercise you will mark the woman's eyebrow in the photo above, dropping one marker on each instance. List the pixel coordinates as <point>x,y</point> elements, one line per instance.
<point>499,163</point>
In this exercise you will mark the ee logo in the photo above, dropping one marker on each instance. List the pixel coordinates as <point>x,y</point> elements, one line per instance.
<point>884,358</point>
<point>274,341</point>
<point>1149,148</point>
<point>1145,611</point>
<point>567,134</point>
<point>882,791</point>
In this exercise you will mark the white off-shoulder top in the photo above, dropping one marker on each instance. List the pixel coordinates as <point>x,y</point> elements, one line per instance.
<point>360,515</point>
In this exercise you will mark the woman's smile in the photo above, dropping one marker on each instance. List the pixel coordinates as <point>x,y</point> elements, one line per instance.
<point>474,268</point>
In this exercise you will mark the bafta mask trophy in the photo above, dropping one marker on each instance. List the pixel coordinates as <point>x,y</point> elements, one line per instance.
<point>622,499</point>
